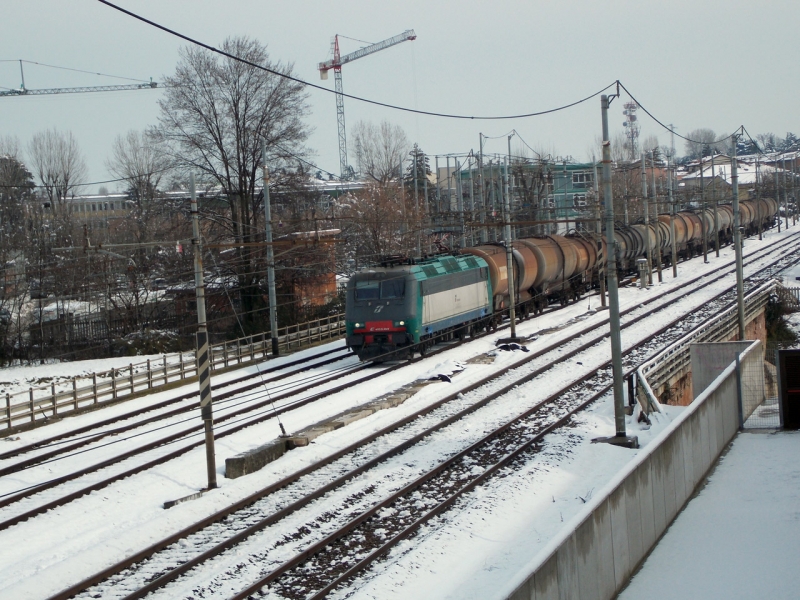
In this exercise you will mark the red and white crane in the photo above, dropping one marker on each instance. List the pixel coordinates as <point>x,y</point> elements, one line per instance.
<point>336,64</point>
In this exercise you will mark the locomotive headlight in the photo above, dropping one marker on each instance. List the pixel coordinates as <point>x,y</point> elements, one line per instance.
<point>399,323</point>
<point>357,325</point>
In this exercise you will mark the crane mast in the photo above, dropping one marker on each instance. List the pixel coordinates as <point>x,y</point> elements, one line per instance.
<point>336,64</point>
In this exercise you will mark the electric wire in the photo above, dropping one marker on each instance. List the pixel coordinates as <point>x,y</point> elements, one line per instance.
<point>352,97</point>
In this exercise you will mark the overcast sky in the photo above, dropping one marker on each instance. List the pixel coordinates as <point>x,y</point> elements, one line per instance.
<point>706,63</point>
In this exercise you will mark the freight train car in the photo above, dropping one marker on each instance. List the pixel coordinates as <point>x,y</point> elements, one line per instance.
<point>396,309</point>
<point>409,305</point>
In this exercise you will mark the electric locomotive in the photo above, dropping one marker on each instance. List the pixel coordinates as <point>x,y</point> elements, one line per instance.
<point>393,310</point>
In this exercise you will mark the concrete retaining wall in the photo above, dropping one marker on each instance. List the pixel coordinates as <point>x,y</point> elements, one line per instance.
<point>597,553</point>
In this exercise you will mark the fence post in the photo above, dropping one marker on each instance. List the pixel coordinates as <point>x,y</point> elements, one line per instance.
<point>165,370</point>
<point>53,395</point>
<point>30,397</point>
<point>252,349</point>
<point>94,387</point>
<point>225,354</point>
<point>114,384</point>
<point>739,391</point>
<point>149,376</point>
<point>130,377</point>
<point>182,367</point>
<point>238,354</point>
<point>8,409</point>
<point>74,394</point>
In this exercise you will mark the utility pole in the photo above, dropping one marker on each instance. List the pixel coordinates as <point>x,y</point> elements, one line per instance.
<point>657,226</point>
<point>482,213</point>
<point>438,188</point>
<point>647,223</point>
<point>510,189</point>
<point>202,353</point>
<point>737,241</point>
<point>416,200</point>
<point>785,192</point>
<point>600,271</point>
<point>621,438</point>
<point>471,204</point>
<point>460,203</point>
<point>672,219</point>
<point>510,264</point>
<point>703,206</point>
<point>758,197</point>
<point>714,204</point>
<point>273,302</point>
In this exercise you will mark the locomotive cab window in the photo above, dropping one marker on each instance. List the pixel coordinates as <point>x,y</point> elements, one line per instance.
<point>394,288</point>
<point>367,290</point>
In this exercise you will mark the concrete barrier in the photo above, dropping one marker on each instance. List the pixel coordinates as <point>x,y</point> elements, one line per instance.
<point>598,551</point>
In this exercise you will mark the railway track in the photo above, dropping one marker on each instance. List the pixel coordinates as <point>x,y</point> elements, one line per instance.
<point>238,523</point>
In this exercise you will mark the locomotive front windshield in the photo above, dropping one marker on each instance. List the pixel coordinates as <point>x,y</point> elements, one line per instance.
<point>367,290</point>
<point>394,288</point>
<point>385,290</point>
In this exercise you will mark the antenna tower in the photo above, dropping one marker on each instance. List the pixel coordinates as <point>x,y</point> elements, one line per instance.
<point>631,126</point>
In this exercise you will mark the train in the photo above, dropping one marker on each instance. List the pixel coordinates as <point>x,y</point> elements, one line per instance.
<point>407,305</point>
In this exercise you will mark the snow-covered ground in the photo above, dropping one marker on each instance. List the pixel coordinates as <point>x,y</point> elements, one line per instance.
<point>740,536</point>
<point>467,553</point>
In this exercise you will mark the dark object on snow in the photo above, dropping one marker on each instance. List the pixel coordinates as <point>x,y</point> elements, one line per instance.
<point>442,377</point>
<point>512,347</point>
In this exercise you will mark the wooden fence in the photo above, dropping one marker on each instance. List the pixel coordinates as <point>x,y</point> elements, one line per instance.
<point>45,402</point>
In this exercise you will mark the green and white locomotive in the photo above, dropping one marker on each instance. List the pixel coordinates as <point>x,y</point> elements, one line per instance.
<point>397,309</point>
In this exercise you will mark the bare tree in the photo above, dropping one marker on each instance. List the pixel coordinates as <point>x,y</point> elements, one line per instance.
<point>136,158</point>
<point>704,142</point>
<point>380,150</point>
<point>214,114</point>
<point>58,163</point>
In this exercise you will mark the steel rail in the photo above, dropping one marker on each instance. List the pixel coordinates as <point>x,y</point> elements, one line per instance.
<point>288,480</point>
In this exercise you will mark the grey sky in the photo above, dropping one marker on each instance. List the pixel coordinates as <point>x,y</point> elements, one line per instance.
<point>706,63</point>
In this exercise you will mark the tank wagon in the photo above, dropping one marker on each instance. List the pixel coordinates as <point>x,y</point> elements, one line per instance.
<point>406,306</point>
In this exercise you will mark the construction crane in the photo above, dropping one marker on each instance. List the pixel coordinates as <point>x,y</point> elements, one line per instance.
<point>336,64</point>
<point>23,91</point>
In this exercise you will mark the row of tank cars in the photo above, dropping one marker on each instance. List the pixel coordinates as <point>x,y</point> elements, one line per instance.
<point>408,305</point>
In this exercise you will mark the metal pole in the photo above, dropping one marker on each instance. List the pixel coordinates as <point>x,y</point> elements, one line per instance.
<point>416,200</point>
<point>785,192</point>
<point>714,204</point>
<point>613,291</point>
<point>460,203</point>
<point>737,242</point>
<point>425,203</point>
<point>273,302</point>
<point>471,205</point>
<point>482,217</point>
<point>703,208</point>
<point>203,363</point>
<point>672,220</point>
<point>647,224</point>
<point>758,198</point>
<point>438,189</point>
<point>657,226</point>
<point>777,193</point>
<point>509,260</point>
<point>794,188</point>
<point>600,271</point>
<point>510,190</point>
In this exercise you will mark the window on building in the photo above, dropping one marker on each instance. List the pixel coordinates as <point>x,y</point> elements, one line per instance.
<point>579,200</point>
<point>94,207</point>
<point>112,206</point>
<point>105,205</point>
<point>581,179</point>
